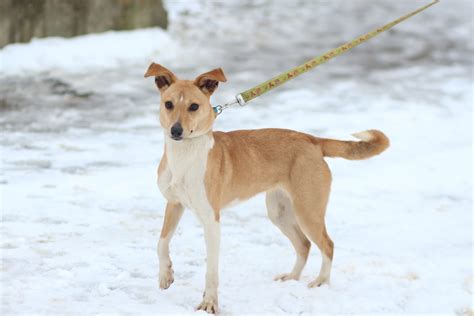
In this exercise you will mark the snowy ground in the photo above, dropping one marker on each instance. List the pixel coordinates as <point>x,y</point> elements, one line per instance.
<point>80,142</point>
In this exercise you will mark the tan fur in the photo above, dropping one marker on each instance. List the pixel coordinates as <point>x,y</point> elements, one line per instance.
<point>373,143</point>
<point>210,170</point>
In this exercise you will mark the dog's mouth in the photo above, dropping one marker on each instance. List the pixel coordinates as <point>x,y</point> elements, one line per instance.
<point>177,138</point>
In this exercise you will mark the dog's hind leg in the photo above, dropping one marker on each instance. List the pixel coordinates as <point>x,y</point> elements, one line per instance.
<point>309,189</point>
<point>173,214</point>
<point>280,212</point>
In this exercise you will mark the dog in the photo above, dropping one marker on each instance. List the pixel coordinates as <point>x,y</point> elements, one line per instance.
<point>206,171</point>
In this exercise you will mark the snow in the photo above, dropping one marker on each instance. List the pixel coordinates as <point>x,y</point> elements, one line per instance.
<point>81,212</point>
<point>92,51</point>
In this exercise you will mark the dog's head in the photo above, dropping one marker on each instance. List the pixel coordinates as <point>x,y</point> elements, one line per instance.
<point>185,109</point>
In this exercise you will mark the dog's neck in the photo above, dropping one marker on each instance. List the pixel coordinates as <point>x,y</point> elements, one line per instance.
<point>188,153</point>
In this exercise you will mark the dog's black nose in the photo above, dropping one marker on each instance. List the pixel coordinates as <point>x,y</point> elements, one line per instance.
<point>176,130</point>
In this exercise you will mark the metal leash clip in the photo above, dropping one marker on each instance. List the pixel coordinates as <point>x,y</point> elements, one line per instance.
<point>238,100</point>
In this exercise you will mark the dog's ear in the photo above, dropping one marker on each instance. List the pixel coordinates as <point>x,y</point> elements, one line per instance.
<point>209,81</point>
<point>163,77</point>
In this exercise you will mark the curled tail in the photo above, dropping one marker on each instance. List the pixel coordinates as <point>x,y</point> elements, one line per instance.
<point>373,142</point>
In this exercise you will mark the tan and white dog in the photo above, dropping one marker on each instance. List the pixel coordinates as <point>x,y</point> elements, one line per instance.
<point>206,171</point>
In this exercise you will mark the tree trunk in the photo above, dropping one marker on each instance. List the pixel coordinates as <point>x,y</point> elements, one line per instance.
<point>21,20</point>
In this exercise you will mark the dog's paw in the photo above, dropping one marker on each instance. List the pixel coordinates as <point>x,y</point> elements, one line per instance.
<point>319,281</point>
<point>286,277</point>
<point>166,277</point>
<point>208,304</point>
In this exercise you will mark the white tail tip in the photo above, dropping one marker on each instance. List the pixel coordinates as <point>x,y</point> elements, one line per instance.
<point>365,136</point>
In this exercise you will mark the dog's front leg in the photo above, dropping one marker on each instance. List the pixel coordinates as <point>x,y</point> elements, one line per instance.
<point>212,235</point>
<point>173,214</point>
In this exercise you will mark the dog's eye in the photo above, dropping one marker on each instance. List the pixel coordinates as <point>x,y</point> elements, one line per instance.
<point>168,105</point>
<point>194,107</point>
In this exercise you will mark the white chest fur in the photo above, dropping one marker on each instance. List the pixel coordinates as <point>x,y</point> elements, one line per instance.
<point>183,178</point>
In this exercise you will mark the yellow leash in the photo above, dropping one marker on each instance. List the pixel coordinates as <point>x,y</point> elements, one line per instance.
<point>244,97</point>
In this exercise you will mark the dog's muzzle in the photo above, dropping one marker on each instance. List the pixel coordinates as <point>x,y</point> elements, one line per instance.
<point>177,131</point>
